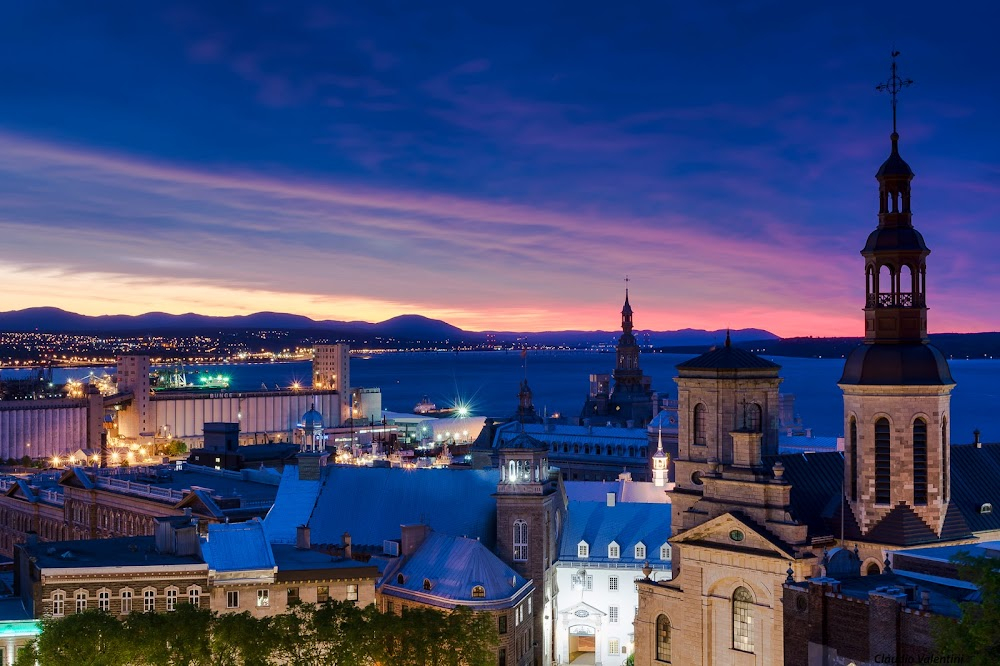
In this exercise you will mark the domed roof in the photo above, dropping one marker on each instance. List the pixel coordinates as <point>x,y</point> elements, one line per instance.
<point>894,165</point>
<point>895,239</point>
<point>312,419</point>
<point>896,364</point>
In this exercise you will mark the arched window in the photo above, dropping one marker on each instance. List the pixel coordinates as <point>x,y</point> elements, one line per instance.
<point>58,603</point>
<point>478,592</point>
<point>883,457</point>
<point>945,451</point>
<point>194,596</point>
<point>399,579</point>
<point>427,584</point>
<point>752,417</point>
<point>920,461</point>
<point>126,599</point>
<point>854,459</point>
<point>104,599</point>
<point>742,620</point>
<point>662,638</point>
<point>872,569</point>
<point>81,600</point>
<point>148,600</point>
<point>700,425</point>
<point>520,541</point>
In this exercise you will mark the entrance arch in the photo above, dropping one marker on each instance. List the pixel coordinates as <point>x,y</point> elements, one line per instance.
<point>582,644</point>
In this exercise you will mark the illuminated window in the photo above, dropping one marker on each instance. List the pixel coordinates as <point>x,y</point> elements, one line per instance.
<point>233,599</point>
<point>883,456</point>
<point>614,552</point>
<point>520,541</point>
<point>742,620</point>
<point>58,604</point>
<point>352,592</point>
<point>148,601</point>
<point>662,639</point>
<point>194,596</point>
<point>614,646</point>
<point>81,601</point>
<point>478,592</point>
<point>104,600</point>
<point>640,551</point>
<point>920,461</point>
<point>583,549</point>
<point>665,552</point>
<point>322,594</point>
<point>263,598</point>
<point>293,594</point>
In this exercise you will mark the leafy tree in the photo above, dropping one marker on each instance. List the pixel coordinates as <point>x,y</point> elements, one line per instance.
<point>91,638</point>
<point>974,637</point>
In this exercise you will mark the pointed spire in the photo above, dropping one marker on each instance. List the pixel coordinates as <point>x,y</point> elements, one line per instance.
<point>729,342</point>
<point>659,440</point>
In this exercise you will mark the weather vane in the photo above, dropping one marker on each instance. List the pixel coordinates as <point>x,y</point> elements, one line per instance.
<point>893,86</point>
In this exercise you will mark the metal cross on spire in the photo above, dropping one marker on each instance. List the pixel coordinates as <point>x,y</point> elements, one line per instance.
<point>893,86</point>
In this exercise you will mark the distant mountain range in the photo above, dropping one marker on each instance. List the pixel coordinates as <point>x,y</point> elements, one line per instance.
<point>416,328</point>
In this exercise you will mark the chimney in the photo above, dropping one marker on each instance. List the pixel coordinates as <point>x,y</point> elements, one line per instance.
<point>412,537</point>
<point>310,465</point>
<point>302,538</point>
<point>611,499</point>
<point>347,544</point>
<point>976,434</point>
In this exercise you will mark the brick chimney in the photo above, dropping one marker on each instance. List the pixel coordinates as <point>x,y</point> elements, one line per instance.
<point>302,537</point>
<point>412,537</point>
<point>346,539</point>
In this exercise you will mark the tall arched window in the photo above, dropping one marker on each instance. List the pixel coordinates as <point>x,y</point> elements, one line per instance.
<point>946,456</point>
<point>854,459</point>
<point>883,457</point>
<point>920,461</point>
<point>700,425</point>
<point>742,620</point>
<point>662,638</point>
<point>520,541</point>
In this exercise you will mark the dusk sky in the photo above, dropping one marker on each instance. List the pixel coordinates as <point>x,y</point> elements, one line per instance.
<point>497,165</point>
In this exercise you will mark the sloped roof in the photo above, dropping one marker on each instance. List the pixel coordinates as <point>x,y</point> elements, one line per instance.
<point>817,486</point>
<point>727,357</point>
<point>644,492</point>
<point>625,523</point>
<point>237,547</point>
<point>453,566</point>
<point>547,434</point>
<point>975,480</point>
<point>292,506</point>
<point>372,502</point>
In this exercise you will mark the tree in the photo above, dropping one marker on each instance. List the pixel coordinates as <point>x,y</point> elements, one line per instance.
<point>91,638</point>
<point>974,637</point>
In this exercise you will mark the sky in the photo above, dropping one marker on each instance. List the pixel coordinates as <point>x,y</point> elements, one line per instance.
<point>501,166</point>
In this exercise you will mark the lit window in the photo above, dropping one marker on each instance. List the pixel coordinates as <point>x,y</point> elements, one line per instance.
<point>58,604</point>
<point>662,638</point>
<point>614,646</point>
<point>293,594</point>
<point>613,583</point>
<point>478,592</point>
<point>194,596</point>
<point>614,552</point>
<point>81,601</point>
<point>322,594</point>
<point>148,601</point>
<point>613,614</point>
<point>640,551</point>
<point>171,598</point>
<point>104,600</point>
<point>665,552</point>
<point>263,598</point>
<point>742,620</point>
<point>352,592</point>
<point>520,541</point>
<point>583,549</point>
<point>233,599</point>
<point>126,597</point>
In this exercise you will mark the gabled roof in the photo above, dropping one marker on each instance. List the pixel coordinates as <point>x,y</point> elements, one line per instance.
<point>202,497</point>
<point>765,542</point>
<point>237,547</point>
<point>626,524</point>
<point>453,566</point>
<point>372,502</point>
<point>77,478</point>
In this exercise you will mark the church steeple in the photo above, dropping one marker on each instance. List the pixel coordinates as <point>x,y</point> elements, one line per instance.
<point>626,312</point>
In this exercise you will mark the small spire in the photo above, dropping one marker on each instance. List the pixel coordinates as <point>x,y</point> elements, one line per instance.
<point>659,440</point>
<point>729,342</point>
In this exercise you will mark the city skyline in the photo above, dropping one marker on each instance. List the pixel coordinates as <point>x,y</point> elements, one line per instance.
<point>497,170</point>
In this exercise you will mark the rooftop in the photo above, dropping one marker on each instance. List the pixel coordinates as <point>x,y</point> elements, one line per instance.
<point>626,524</point>
<point>137,551</point>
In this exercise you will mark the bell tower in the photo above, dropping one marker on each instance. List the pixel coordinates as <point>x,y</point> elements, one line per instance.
<point>897,386</point>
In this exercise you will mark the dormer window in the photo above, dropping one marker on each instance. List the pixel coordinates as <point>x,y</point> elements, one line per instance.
<point>427,584</point>
<point>640,551</point>
<point>400,580</point>
<point>986,508</point>
<point>665,552</point>
<point>478,592</point>
<point>583,549</point>
<point>614,551</point>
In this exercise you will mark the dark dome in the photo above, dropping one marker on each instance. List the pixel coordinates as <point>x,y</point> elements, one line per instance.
<point>312,420</point>
<point>893,365</point>
<point>895,238</point>
<point>894,165</point>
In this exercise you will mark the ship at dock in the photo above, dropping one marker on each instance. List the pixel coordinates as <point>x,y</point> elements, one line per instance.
<point>177,379</point>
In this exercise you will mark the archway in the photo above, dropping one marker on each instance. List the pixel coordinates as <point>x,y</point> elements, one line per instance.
<point>582,644</point>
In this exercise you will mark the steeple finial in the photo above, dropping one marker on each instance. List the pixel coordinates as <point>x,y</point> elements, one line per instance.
<point>659,440</point>
<point>893,86</point>
<point>729,342</point>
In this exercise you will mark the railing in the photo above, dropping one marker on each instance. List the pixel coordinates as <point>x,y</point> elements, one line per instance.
<point>890,300</point>
<point>141,489</point>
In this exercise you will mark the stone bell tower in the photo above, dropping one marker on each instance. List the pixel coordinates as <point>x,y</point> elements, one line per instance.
<point>897,386</point>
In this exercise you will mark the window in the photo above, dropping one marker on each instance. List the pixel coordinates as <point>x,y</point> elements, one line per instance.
<point>293,594</point>
<point>613,614</point>
<point>427,584</point>
<point>104,600</point>
<point>194,596</point>
<point>665,552</point>
<point>920,461</point>
<point>640,551</point>
<point>854,459</point>
<point>126,597</point>
<point>58,604</point>
<point>700,425</point>
<point>614,646</point>
<point>613,551</point>
<point>263,598</point>
<point>233,599</point>
<point>148,601</point>
<point>582,550</point>
<point>613,583</point>
<point>520,541</point>
<point>945,451</point>
<point>502,624</point>
<point>322,594</point>
<point>81,601</point>
<point>399,579</point>
<point>662,638</point>
<point>742,620</point>
<point>478,592</point>
<point>519,615</point>
<point>502,657</point>
<point>585,582</point>
<point>752,417</point>
<point>171,598</point>
<point>883,454</point>
<point>352,592</point>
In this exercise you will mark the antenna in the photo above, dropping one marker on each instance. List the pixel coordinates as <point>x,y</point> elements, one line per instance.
<point>893,86</point>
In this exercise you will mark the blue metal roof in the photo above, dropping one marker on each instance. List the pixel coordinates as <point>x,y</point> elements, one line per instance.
<point>452,566</point>
<point>372,502</point>
<point>292,506</point>
<point>627,524</point>
<point>237,547</point>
